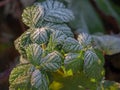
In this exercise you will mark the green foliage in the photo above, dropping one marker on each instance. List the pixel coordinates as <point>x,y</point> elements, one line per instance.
<point>33,15</point>
<point>85,40</point>
<point>34,53</point>
<point>71,45</point>
<point>20,77</point>
<point>39,80</point>
<point>58,27</point>
<point>93,65</point>
<point>39,36</point>
<point>56,40</point>
<point>56,12</point>
<point>51,62</point>
<point>22,42</point>
<point>78,81</point>
<point>74,61</point>
<point>51,58</point>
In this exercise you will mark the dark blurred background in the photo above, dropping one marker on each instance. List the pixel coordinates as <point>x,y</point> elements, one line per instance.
<point>11,27</point>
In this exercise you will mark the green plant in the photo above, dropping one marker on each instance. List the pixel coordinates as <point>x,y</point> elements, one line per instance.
<point>51,58</point>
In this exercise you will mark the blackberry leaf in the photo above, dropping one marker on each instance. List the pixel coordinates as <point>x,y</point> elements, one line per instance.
<point>51,62</point>
<point>56,12</point>
<point>39,36</point>
<point>59,27</point>
<point>39,80</point>
<point>84,39</point>
<point>93,65</point>
<point>74,61</point>
<point>22,42</point>
<point>34,53</point>
<point>71,45</point>
<point>20,77</point>
<point>56,41</point>
<point>32,16</point>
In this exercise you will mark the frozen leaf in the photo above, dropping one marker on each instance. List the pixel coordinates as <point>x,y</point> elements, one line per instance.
<point>59,16</point>
<point>34,52</point>
<point>84,39</point>
<point>39,36</point>
<point>51,62</point>
<point>20,76</point>
<point>22,42</point>
<point>59,27</point>
<point>58,37</point>
<point>56,12</point>
<point>90,58</point>
<point>93,66</point>
<point>71,45</point>
<point>74,61</point>
<point>32,16</point>
<point>39,80</point>
<point>56,41</point>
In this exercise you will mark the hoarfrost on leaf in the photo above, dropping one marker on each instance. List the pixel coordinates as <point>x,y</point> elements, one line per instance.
<point>32,16</point>
<point>39,80</point>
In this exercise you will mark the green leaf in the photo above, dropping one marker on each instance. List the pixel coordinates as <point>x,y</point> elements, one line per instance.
<point>74,61</point>
<point>39,36</point>
<point>22,42</point>
<point>58,37</point>
<point>61,27</point>
<point>71,45</point>
<point>56,12</point>
<point>90,57</point>
<point>56,40</point>
<point>39,80</point>
<point>20,77</point>
<point>32,16</point>
<point>34,53</point>
<point>84,39</point>
<point>51,62</point>
<point>93,66</point>
<point>25,38</point>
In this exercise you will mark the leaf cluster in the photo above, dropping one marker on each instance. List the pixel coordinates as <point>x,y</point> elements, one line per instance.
<point>50,55</point>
